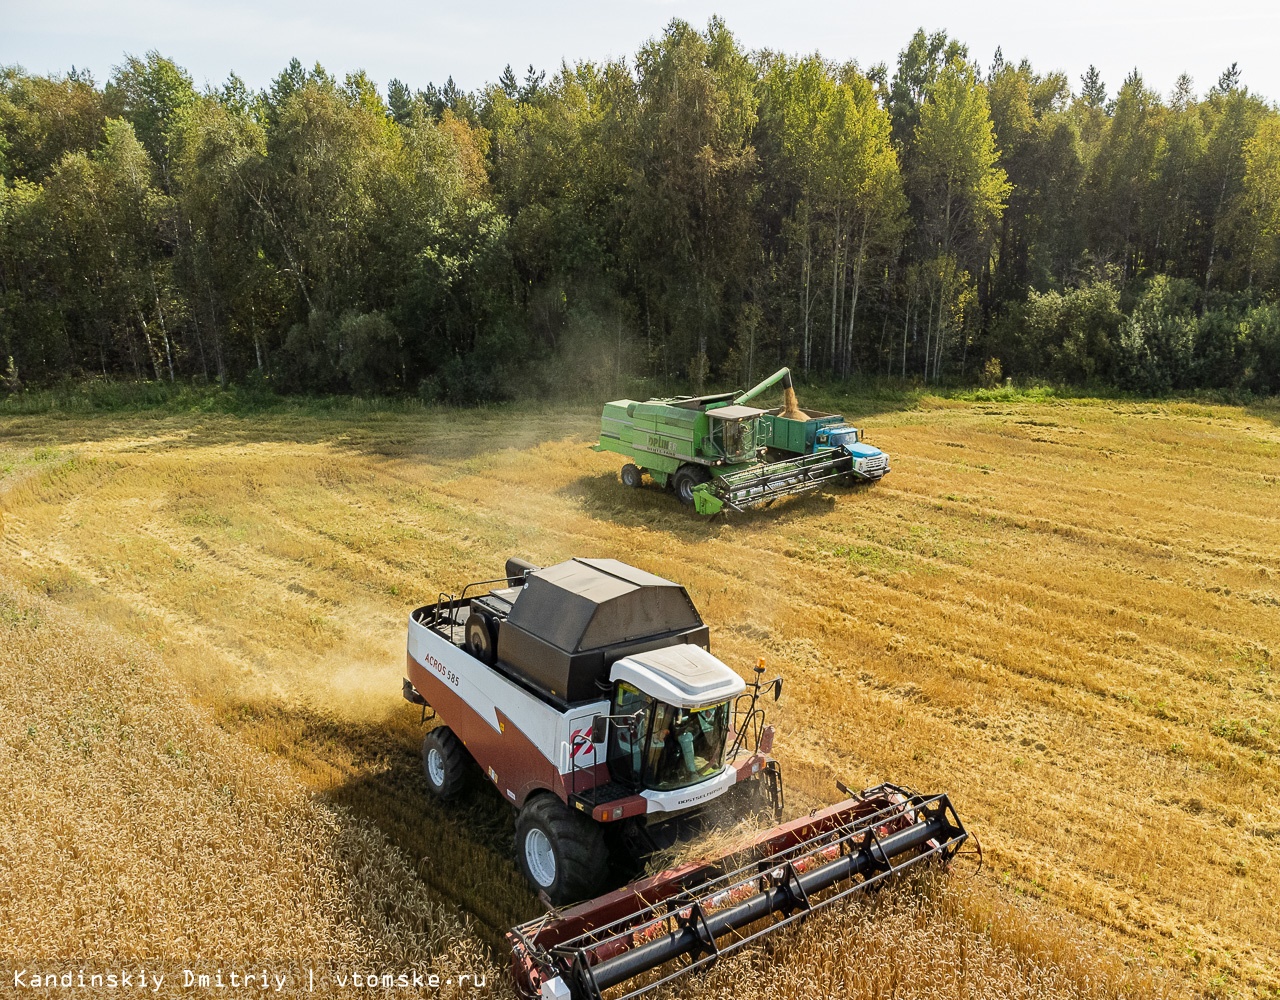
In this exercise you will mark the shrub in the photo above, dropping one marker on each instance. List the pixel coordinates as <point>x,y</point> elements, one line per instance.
<point>1219,346</point>
<point>1260,342</point>
<point>360,352</point>
<point>370,352</point>
<point>1073,334</point>
<point>1157,344</point>
<point>464,380</point>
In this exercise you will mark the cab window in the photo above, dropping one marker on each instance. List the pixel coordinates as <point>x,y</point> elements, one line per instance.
<point>626,744</point>
<point>734,438</point>
<point>686,745</point>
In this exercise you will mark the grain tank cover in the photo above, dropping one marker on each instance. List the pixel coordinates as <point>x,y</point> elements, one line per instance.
<point>570,622</point>
<point>588,604</point>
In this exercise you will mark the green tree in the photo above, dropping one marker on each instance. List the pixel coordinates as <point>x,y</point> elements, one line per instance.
<point>919,66</point>
<point>690,228</point>
<point>862,188</point>
<point>1039,147</point>
<point>44,118</point>
<point>1092,90</point>
<point>151,94</point>
<point>1261,204</point>
<point>794,97</point>
<point>1232,116</point>
<point>1120,180</point>
<point>961,190</point>
<point>236,290</point>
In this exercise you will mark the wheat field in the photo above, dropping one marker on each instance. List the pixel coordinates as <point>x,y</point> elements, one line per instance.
<point>1065,613</point>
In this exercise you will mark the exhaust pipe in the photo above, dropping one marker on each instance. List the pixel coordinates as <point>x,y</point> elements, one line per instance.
<point>517,569</point>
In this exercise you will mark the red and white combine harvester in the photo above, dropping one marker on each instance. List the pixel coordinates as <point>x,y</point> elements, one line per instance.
<point>588,695</point>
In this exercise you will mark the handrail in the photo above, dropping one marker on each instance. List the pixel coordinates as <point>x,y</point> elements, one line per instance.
<point>446,600</point>
<point>482,583</point>
<point>440,602</point>
<point>579,739</point>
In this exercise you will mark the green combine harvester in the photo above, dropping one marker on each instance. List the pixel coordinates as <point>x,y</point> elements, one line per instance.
<point>715,452</point>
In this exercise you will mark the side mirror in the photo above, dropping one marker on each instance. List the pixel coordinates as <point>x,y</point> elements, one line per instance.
<point>599,726</point>
<point>634,723</point>
<point>777,688</point>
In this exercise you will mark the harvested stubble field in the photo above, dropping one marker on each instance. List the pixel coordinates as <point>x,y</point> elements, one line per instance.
<point>1066,613</point>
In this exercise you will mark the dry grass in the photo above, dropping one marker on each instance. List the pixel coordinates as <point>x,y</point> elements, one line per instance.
<point>148,838</point>
<point>933,940</point>
<point>1064,614</point>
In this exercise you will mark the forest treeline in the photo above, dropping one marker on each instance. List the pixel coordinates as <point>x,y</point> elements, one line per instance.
<point>697,212</point>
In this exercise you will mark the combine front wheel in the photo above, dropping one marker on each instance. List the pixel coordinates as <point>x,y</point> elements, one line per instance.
<point>445,760</point>
<point>686,478</point>
<point>560,852</point>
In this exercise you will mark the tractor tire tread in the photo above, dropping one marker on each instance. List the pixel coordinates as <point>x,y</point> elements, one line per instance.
<point>693,474</point>
<point>581,848</point>
<point>457,761</point>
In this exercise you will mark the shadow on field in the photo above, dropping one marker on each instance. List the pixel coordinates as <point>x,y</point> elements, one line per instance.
<point>604,497</point>
<point>461,850</point>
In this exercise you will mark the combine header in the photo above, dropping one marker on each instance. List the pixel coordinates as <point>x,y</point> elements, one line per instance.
<point>587,693</point>
<point>716,452</point>
<point>691,916</point>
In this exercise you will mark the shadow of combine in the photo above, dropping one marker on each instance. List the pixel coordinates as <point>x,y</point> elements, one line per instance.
<point>461,850</point>
<point>603,497</point>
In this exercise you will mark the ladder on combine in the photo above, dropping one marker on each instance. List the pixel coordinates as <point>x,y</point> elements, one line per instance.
<point>765,483</point>
<point>690,916</point>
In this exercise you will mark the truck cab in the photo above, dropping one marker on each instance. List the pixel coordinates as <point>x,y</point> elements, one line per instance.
<point>826,433</point>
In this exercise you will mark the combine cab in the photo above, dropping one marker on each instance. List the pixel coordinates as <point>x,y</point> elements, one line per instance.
<point>717,453</point>
<point>587,694</point>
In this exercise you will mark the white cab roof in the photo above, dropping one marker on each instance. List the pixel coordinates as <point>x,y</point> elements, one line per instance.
<point>685,676</point>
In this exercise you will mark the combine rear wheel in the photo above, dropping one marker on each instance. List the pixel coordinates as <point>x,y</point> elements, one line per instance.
<point>686,478</point>
<point>561,853</point>
<point>630,475</point>
<point>445,761</point>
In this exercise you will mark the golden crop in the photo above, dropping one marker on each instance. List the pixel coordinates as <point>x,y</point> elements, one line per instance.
<point>1064,614</point>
